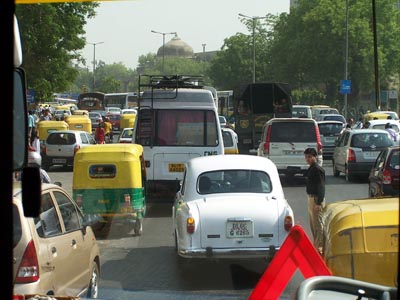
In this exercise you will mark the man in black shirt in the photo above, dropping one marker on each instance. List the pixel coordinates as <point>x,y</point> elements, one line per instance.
<point>316,196</point>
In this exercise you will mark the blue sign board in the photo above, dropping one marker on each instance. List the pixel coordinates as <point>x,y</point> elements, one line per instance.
<point>345,86</point>
<point>30,96</point>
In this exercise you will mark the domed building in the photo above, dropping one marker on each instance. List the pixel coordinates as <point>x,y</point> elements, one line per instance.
<point>176,47</point>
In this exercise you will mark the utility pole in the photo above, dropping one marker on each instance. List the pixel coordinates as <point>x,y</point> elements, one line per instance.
<point>163,46</point>
<point>346,73</point>
<point>94,63</point>
<point>253,19</point>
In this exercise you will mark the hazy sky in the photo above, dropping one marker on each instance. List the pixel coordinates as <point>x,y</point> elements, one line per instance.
<point>125,27</point>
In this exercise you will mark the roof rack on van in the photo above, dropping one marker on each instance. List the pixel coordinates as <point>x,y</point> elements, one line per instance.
<point>171,81</point>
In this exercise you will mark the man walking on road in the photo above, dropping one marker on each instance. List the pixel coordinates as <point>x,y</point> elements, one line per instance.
<point>315,189</point>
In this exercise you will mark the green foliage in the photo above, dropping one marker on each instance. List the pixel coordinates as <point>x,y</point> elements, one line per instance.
<point>51,35</point>
<point>308,97</point>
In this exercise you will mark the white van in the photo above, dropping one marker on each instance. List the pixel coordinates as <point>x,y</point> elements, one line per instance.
<point>301,111</point>
<point>284,140</point>
<point>173,126</point>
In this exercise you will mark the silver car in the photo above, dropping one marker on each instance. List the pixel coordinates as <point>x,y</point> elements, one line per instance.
<point>60,147</point>
<point>329,132</point>
<point>356,151</point>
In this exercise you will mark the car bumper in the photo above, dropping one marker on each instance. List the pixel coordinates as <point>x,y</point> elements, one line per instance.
<point>390,190</point>
<point>57,160</point>
<point>359,168</point>
<point>228,253</point>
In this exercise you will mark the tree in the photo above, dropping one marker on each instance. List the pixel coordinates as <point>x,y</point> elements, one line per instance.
<point>51,35</point>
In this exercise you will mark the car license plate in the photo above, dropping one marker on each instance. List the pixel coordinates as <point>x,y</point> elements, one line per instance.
<point>371,154</point>
<point>239,229</point>
<point>59,160</point>
<point>293,152</point>
<point>176,168</point>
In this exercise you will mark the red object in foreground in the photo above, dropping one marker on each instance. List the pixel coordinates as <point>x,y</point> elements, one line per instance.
<point>296,252</point>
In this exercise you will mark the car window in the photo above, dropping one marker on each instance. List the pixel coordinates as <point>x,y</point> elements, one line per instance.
<point>61,139</point>
<point>17,230</point>
<point>335,118</point>
<point>328,129</point>
<point>69,213</point>
<point>227,137</point>
<point>84,138</point>
<point>380,161</point>
<point>234,181</point>
<point>370,140</point>
<point>183,183</point>
<point>127,133</point>
<point>91,139</point>
<point>395,160</point>
<point>48,222</point>
<point>299,112</point>
<point>292,132</point>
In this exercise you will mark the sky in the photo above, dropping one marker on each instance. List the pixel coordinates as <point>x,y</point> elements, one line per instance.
<point>123,28</point>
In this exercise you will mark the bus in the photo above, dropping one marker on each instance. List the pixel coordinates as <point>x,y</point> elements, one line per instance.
<point>91,101</point>
<point>176,121</point>
<point>254,105</point>
<point>121,100</point>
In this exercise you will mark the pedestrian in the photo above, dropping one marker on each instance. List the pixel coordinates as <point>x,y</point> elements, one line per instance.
<point>35,142</point>
<point>99,134</point>
<point>108,129</point>
<point>31,124</point>
<point>391,131</point>
<point>315,189</point>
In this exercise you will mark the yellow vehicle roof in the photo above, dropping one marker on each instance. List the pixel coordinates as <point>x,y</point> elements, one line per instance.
<point>76,117</point>
<point>372,115</point>
<point>369,212</point>
<point>80,112</point>
<point>46,124</point>
<point>109,152</point>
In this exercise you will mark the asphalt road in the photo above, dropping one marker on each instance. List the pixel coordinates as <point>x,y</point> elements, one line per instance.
<point>147,267</point>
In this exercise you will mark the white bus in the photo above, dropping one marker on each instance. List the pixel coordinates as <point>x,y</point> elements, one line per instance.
<point>121,100</point>
<point>174,125</point>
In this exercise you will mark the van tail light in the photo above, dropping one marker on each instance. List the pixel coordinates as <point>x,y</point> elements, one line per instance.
<point>28,270</point>
<point>288,223</point>
<point>190,225</point>
<point>319,143</point>
<point>267,141</point>
<point>387,178</point>
<point>78,200</point>
<point>76,148</point>
<point>351,156</point>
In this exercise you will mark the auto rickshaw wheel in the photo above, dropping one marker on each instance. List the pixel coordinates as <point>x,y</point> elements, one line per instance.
<point>138,227</point>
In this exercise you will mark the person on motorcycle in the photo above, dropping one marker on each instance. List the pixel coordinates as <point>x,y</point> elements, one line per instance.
<point>108,129</point>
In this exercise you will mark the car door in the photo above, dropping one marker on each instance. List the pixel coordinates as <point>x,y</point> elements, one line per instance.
<point>340,152</point>
<point>76,268</point>
<point>377,170</point>
<point>49,233</point>
<point>84,140</point>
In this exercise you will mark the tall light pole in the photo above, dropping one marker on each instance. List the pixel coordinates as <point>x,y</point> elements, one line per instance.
<point>346,56</point>
<point>163,45</point>
<point>94,62</point>
<point>253,19</point>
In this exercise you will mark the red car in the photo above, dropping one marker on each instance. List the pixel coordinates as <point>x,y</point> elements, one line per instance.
<point>384,176</point>
<point>115,120</point>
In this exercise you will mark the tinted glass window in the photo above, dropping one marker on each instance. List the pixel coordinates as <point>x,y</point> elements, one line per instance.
<point>335,118</point>
<point>48,223</point>
<point>293,132</point>
<point>300,112</point>
<point>370,140</point>
<point>234,181</point>
<point>84,139</point>
<point>61,139</point>
<point>68,212</point>
<point>186,128</point>
<point>330,129</point>
<point>127,133</point>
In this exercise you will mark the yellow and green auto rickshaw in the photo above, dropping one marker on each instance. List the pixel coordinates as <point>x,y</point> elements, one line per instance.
<point>109,184</point>
<point>45,127</point>
<point>80,112</point>
<point>127,121</point>
<point>374,115</point>
<point>361,239</point>
<point>79,122</point>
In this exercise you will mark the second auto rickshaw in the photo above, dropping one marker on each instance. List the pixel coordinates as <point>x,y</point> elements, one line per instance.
<point>109,184</point>
<point>79,122</point>
<point>45,127</point>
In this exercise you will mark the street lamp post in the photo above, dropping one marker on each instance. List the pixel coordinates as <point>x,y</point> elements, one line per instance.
<point>163,45</point>
<point>253,19</point>
<point>94,62</point>
<point>346,73</point>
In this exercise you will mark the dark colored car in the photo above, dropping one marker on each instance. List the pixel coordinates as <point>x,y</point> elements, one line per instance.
<point>384,176</point>
<point>115,120</point>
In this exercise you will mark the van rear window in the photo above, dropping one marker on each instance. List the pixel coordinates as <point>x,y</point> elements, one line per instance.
<point>293,132</point>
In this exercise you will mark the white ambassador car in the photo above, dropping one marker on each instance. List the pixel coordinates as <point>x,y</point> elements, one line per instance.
<point>230,206</point>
